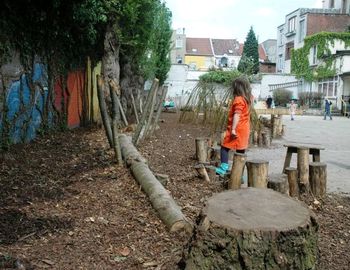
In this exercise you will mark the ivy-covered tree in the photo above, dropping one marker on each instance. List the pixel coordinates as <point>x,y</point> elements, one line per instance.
<point>249,62</point>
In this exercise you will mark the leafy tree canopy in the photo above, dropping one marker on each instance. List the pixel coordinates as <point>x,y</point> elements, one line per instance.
<point>249,63</point>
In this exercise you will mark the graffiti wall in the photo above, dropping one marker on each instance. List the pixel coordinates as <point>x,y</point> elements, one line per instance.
<point>26,107</point>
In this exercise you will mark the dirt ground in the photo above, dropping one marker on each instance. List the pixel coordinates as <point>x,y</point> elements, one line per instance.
<point>65,205</point>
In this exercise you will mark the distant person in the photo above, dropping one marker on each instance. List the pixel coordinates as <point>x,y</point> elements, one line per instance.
<point>327,109</point>
<point>269,102</point>
<point>292,110</point>
<point>238,124</point>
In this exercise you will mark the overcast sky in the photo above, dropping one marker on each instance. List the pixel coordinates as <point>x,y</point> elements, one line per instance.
<point>233,18</point>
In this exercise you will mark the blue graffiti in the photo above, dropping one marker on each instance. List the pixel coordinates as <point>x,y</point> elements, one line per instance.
<point>25,106</point>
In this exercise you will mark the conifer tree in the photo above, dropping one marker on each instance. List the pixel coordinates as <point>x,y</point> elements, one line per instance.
<point>249,62</point>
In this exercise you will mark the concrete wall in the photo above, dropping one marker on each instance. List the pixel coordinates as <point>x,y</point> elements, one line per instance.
<point>268,79</point>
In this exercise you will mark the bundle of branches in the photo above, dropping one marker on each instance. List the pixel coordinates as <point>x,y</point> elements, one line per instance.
<point>208,104</point>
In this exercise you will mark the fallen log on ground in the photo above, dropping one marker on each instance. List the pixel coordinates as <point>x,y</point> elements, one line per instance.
<point>168,211</point>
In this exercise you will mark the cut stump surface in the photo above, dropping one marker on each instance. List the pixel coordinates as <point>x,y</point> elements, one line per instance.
<point>253,229</point>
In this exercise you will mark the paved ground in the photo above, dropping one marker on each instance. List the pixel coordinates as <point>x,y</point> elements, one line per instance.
<point>333,135</point>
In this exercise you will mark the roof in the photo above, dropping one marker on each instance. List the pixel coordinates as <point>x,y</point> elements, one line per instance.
<point>226,46</point>
<point>262,54</point>
<point>198,46</point>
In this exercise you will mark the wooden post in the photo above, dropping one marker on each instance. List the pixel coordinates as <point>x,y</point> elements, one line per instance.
<point>255,138</point>
<point>134,107</point>
<point>292,174</point>
<point>303,168</point>
<point>276,122</point>
<point>237,171</point>
<point>201,149</point>
<point>318,178</point>
<point>279,183</point>
<point>202,172</point>
<point>283,132</point>
<point>257,173</point>
<point>265,139</point>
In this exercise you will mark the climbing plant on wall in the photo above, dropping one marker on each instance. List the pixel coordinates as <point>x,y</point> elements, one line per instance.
<point>323,41</point>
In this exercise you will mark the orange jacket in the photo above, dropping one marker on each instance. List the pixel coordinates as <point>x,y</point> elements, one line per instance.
<point>240,106</point>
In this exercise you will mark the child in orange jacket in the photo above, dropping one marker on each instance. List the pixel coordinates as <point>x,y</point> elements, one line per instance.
<point>238,124</point>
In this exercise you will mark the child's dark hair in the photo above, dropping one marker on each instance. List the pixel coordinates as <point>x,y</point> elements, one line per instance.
<point>241,87</point>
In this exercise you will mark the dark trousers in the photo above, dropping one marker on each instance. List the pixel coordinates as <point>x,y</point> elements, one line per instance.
<point>224,154</point>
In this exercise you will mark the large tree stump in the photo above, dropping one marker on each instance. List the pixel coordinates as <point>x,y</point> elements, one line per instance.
<point>278,182</point>
<point>257,173</point>
<point>292,174</point>
<point>318,178</point>
<point>303,168</point>
<point>237,171</point>
<point>201,149</point>
<point>253,229</point>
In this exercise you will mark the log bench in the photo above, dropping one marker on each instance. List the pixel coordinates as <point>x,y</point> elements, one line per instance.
<point>314,150</point>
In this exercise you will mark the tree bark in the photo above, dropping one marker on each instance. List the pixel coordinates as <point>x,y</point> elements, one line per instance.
<point>134,108</point>
<point>318,179</point>
<point>257,173</point>
<point>103,109</point>
<point>253,229</point>
<point>279,183</point>
<point>303,168</point>
<point>292,174</point>
<point>237,171</point>
<point>167,209</point>
<point>201,149</point>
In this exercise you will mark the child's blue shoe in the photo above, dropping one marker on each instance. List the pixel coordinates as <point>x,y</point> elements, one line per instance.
<point>222,169</point>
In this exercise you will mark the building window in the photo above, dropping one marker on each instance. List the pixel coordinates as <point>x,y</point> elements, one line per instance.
<point>302,30</point>
<point>314,55</point>
<point>281,37</point>
<point>179,43</point>
<point>331,4</point>
<point>291,24</point>
<point>289,47</point>
<point>280,63</point>
<point>328,87</point>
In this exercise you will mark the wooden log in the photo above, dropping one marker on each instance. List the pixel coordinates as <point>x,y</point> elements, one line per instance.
<point>250,229</point>
<point>211,170</point>
<point>202,172</point>
<point>279,183</point>
<point>303,168</point>
<point>292,174</point>
<point>266,140</point>
<point>162,178</point>
<point>140,130</point>
<point>237,171</point>
<point>103,109</point>
<point>134,108</point>
<point>201,149</point>
<point>318,179</point>
<point>167,209</point>
<point>257,173</point>
<point>276,122</point>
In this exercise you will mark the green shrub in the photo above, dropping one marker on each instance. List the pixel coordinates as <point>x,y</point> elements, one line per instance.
<point>220,76</point>
<point>282,96</point>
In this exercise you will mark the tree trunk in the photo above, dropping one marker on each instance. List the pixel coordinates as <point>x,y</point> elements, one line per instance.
<point>103,109</point>
<point>292,174</point>
<point>116,144</point>
<point>253,229</point>
<point>154,125</point>
<point>169,212</point>
<point>237,171</point>
<point>134,108</point>
<point>201,149</point>
<point>318,179</point>
<point>303,168</point>
<point>257,173</point>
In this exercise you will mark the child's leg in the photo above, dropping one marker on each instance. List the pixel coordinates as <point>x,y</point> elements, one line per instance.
<point>224,154</point>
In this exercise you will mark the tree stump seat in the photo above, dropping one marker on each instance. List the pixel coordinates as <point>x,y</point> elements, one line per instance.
<point>253,228</point>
